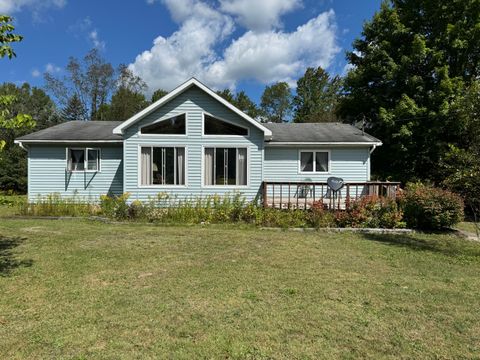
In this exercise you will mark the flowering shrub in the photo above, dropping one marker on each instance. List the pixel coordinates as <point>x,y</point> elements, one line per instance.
<point>430,208</point>
<point>371,212</point>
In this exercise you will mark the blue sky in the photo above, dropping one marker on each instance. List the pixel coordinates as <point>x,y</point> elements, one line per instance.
<point>240,44</point>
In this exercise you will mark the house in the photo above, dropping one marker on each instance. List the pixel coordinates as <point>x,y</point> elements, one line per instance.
<point>191,143</point>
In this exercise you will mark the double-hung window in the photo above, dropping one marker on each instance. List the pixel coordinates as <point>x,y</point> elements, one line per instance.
<point>83,159</point>
<point>314,161</point>
<point>225,166</point>
<point>162,166</point>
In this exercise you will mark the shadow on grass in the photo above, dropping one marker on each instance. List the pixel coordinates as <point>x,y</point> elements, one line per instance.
<point>428,242</point>
<point>8,260</point>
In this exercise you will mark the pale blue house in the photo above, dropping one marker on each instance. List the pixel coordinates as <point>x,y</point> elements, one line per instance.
<point>193,143</point>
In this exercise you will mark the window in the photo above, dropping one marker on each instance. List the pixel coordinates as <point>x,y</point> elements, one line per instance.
<point>213,126</point>
<point>162,166</point>
<point>83,159</point>
<point>171,126</point>
<point>225,166</point>
<point>314,161</point>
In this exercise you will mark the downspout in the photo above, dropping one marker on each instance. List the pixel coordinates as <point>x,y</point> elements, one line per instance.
<point>19,143</point>
<point>373,149</point>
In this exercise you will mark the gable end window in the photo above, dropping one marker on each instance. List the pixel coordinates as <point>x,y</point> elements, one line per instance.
<point>175,125</point>
<point>162,166</point>
<point>314,161</point>
<point>214,126</point>
<point>83,159</point>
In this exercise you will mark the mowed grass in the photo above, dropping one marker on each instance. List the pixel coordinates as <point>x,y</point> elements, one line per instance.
<point>86,290</point>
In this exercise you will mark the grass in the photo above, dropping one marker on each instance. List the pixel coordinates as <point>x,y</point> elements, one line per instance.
<point>80,289</point>
<point>467,226</point>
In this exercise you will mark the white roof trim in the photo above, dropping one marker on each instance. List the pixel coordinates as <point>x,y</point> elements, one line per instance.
<point>177,91</point>
<point>323,143</point>
<point>66,141</point>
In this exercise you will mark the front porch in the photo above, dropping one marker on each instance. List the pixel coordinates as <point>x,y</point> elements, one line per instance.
<point>302,195</point>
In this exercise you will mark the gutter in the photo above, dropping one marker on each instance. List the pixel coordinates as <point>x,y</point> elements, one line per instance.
<point>324,143</point>
<point>66,141</point>
<point>19,143</point>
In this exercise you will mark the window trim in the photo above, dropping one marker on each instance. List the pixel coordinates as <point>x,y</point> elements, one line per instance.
<point>85,159</point>
<point>159,120</point>
<point>227,121</point>
<point>225,146</point>
<point>315,151</point>
<point>160,186</point>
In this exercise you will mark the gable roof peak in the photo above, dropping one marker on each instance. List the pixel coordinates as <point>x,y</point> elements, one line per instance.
<point>179,90</point>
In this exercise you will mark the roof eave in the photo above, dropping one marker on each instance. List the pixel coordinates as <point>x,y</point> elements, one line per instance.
<point>322,143</point>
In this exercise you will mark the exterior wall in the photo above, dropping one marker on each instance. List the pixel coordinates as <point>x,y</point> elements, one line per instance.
<point>47,175</point>
<point>350,164</point>
<point>194,102</point>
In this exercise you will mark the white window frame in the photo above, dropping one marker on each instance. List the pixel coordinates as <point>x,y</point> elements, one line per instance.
<point>160,186</point>
<point>225,146</point>
<point>314,171</point>
<point>227,121</point>
<point>85,159</point>
<point>169,116</point>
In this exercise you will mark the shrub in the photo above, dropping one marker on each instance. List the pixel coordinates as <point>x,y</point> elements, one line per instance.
<point>430,208</point>
<point>371,212</point>
<point>115,207</point>
<point>319,217</point>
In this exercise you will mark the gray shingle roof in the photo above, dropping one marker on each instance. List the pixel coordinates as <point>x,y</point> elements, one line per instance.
<point>77,131</point>
<point>318,132</point>
<point>292,133</point>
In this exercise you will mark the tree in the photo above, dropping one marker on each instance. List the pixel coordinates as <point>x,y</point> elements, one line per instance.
<point>408,70</point>
<point>92,81</point>
<point>158,94</point>
<point>74,110</point>
<point>317,96</point>
<point>13,159</point>
<point>7,37</point>
<point>8,119</point>
<point>241,101</point>
<point>276,102</point>
<point>128,99</point>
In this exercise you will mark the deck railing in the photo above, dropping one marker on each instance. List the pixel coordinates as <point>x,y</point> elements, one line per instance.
<point>302,195</point>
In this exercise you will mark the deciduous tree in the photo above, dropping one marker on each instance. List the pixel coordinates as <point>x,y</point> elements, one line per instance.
<point>276,102</point>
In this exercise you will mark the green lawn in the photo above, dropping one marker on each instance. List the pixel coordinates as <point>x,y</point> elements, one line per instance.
<point>81,289</point>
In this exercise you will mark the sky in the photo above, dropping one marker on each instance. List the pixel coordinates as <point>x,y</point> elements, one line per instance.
<point>236,44</point>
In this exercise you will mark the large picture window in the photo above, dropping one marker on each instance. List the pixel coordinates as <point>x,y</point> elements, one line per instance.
<point>83,159</point>
<point>314,161</point>
<point>225,166</point>
<point>172,126</point>
<point>162,166</point>
<point>214,126</point>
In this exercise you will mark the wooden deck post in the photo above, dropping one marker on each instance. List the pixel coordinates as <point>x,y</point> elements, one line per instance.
<point>265,201</point>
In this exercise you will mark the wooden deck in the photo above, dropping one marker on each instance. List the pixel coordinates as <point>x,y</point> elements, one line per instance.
<point>302,195</point>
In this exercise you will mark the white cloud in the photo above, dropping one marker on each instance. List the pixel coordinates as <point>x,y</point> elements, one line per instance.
<point>267,57</point>
<point>187,51</point>
<point>36,73</point>
<point>13,6</point>
<point>93,36</point>
<point>259,15</point>
<point>51,68</point>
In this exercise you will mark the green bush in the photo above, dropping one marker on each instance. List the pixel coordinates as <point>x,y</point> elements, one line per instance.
<point>115,207</point>
<point>371,212</point>
<point>429,208</point>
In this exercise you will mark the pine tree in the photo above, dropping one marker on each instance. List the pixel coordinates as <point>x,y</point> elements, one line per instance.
<point>276,102</point>
<point>74,110</point>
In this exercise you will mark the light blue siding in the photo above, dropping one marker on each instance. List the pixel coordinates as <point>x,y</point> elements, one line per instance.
<point>351,164</point>
<point>194,103</point>
<point>47,175</point>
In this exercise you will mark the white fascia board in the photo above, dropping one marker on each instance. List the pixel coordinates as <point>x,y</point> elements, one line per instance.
<point>19,142</point>
<point>177,91</point>
<point>320,143</point>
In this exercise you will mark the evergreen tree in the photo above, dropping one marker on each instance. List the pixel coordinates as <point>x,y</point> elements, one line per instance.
<point>276,102</point>
<point>241,101</point>
<point>317,96</point>
<point>74,110</point>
